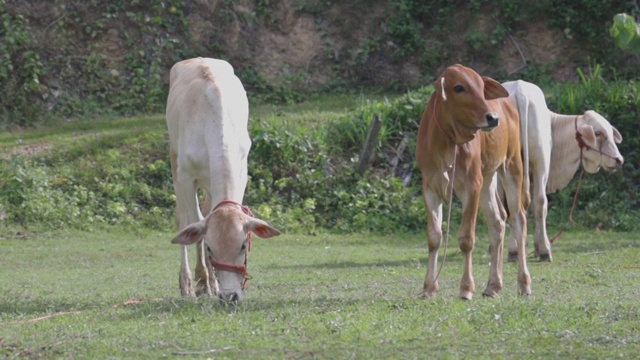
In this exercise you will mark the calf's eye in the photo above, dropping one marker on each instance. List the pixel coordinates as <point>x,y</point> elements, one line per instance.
<point>458,89</point>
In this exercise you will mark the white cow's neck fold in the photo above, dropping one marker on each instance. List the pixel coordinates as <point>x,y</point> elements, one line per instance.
<point>565,155</point>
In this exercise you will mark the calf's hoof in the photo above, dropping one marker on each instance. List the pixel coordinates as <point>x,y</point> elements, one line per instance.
<point>466,295</point>
<point>429,291</point>
<point>490,294</point>
<point>525,287</point>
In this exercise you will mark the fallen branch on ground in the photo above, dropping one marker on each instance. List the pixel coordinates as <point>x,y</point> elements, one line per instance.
<point>212,351</point>
<point>45,317</point>
<point>126,303</point>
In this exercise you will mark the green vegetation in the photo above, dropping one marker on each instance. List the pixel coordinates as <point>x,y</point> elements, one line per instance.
<point>326,297</point>
<point>97,59</point>
<point>626,33</point>
<point>302,167</point>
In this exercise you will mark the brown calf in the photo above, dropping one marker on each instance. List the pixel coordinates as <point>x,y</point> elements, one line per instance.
<point>448,138</point>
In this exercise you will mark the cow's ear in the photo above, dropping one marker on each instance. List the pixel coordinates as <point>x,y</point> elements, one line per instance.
<point>191,234</point>
<point>261,228</point>
<point>616,135</point>
<point>588,135</point>
<point>493,89</point>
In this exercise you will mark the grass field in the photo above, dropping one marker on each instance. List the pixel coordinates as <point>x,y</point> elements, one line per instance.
<point>114,294</point>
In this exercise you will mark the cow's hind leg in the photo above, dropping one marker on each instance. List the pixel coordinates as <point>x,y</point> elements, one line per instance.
<point>518,218</point>
<point>541,243</point>
<point>495,216</point>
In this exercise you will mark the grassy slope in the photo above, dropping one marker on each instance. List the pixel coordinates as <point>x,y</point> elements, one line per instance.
<point>33,141</point>
<point>313,297</point>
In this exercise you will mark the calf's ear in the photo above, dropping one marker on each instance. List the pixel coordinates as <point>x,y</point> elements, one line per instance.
<point>493,89</point>
<point>191,234</point>
<point>261,228</point>
<point>438,86</point>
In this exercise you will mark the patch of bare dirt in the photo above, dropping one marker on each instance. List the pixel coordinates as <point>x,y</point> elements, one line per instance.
<point>27,150</point>
<point>279,40</point>
<point>540,44</point>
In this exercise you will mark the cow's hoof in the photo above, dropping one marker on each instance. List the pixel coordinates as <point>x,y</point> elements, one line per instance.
<point>466,295</point>
<point>525,287</point>
<point>188,293</point>
<point>202,290</point>
<point>513,256</point>
<point>490,295</point>
<point>545,257</point>
<point>429,293</point>
<point>186,288</point>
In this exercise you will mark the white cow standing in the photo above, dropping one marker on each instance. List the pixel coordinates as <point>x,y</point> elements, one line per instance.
<point>555,152</point>
<point>207,116</point>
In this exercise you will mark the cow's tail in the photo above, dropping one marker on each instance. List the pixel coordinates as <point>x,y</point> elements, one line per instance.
<point>522,102</point>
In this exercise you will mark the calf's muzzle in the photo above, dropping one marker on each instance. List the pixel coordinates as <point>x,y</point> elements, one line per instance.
<point>492,121</point>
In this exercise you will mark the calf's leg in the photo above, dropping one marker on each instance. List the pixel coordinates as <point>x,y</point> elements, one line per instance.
<point>494,215</point>
<point>470,198</point>
<point>433,206</point>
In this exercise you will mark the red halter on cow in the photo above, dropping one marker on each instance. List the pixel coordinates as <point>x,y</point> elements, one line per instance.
<point>207,115</point>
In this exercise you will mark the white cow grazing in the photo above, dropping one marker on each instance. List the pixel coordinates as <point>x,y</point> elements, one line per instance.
<point>555,152</point>
<point>207,115</point>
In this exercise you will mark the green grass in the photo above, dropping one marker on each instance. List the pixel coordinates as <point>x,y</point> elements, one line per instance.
<point>324,297</point>
<point>317,110</point>
<point>32,141</point>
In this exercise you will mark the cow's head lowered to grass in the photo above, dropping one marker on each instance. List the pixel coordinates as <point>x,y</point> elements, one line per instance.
<point>226,233</point>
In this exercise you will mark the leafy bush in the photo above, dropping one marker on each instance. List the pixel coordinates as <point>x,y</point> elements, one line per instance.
<point>20,70</point>
<point>100,186</point>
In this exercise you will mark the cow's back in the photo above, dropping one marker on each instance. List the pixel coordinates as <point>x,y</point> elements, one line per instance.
<point>535,119</point>
<point>207,115</point>
<point>204,92</point>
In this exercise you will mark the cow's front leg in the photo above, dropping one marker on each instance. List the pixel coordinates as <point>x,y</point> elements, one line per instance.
<point>184,280</point>
<point>206,282</point>
<point>495,217</point>
<point>433,206</point>
<point>470,197</point>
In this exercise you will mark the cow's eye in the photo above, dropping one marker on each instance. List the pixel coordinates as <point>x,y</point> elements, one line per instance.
<point>458,89</point>
<point>598,133</point>
<point>244,246</point>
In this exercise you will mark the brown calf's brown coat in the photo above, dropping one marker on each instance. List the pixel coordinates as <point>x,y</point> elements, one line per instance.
<point>463,103</point>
